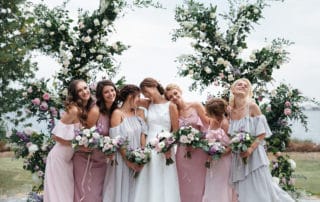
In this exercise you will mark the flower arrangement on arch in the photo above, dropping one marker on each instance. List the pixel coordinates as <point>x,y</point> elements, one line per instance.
<point>163,143</point>
<point>190,137</point>
<point>240,142</point>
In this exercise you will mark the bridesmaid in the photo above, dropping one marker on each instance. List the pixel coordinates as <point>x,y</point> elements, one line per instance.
<point>59,181</point>
<point>128,122</point>
<point>217,186</point>
<point>191,172</point>
<point>253,180</point>
<point>90,166</point>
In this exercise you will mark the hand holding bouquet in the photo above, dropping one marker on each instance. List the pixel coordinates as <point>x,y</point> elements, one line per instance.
<point>89,138</point>
<point>240,142</point>
<point>215,150</point>
<point>139,156</point>
<point>163,143</point>
<point>109,146</point>
<point>190,137</point>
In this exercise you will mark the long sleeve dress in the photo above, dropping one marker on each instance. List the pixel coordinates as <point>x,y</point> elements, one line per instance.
<point>119,183</point>
<point>253,181</point>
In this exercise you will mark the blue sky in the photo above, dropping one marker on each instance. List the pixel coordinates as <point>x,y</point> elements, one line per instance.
<point>152,52</point>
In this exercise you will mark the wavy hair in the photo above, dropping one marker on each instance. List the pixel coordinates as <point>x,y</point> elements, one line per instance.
<point>100,100</point>
<point>250,94</point>
<point>127,90</point>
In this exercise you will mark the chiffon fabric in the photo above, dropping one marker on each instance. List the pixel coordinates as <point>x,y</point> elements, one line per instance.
<point>158,182</point>
<point>59,181</point>
<point>119,183</point>
<point>218,187</point>
<point>253,181</point>
<point>191,172</point>
<point>90,168</point>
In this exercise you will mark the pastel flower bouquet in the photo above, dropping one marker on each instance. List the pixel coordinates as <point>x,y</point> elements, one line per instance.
<point>215,150</point>
<point>163,143</point>
<point>240,142</point>
<point>109,146</point>
<point>139,156</point>
<point>190,137</point>
<point>86,137</point>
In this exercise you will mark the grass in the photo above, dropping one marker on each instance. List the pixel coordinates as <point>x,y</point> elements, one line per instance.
<point>13,179</point>
<point>307,171</point>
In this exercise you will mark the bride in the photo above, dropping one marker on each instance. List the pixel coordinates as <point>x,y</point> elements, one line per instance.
<point>158,182</point>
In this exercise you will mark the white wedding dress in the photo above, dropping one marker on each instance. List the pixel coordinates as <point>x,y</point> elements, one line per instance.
<point>158,182</point>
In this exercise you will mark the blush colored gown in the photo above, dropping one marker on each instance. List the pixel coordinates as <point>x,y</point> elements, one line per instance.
<point>191,172</point>
<point>90,168</point>
<point>59,181</point>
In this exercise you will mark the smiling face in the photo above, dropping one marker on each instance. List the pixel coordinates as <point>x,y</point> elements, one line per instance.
<point>174,95</point>
<point>83,91</point>
<point>241,88</point>
<point>109,94</point>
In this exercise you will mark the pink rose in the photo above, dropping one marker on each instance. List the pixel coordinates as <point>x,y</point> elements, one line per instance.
<point>43,106</point>
<point>36,101</point>
<point>53,111</point>
<point>287,104</point>
<point>287,111</point>
<point>46,96</point>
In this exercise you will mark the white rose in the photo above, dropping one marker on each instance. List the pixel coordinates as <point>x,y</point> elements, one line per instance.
<point>276,180</point>
<point>28,131</point>
<point>292,164</point>
<point>191,72</point>
<point>78,138</point>
<point>89,31</point>
<point>154,141</point>
<point>44,147</point>
<point>51,33</point>
<point>33,148</point>
<point>8,133</point>
<point>220,61</point>
<point>8,10</point>
<point>99,57</point>
<point>66,63</point>
<point>24,94</point>
<point>252,57</point>
<point>105,22</point>
<point>115,46</point>
<point>62,27</point>
<point>48,23</point>
<point>17,32</point>
<point>83,55</point>
<point>96,135</point>
<point>161,145</point>
<point>92,50</point>
<point>81,25</point>
<point>207,70</point>
<point>96,22</point>
<point>230,77</point>
<point>86,39</point>
<point>65,92</point>
<point>255,11</point>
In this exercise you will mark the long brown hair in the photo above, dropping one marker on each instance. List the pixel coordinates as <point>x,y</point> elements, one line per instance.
<point>216,107</point>
<point>99,95</point>
<point>73,99</point>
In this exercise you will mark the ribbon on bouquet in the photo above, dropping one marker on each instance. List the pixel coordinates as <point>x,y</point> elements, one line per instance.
<point>87,170</point>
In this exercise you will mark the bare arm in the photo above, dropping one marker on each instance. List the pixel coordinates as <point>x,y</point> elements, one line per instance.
<point>93,116</point>
<point>143,102</point>
<point>201,113</point>
<point>174,115</point>
<point>143,140</point>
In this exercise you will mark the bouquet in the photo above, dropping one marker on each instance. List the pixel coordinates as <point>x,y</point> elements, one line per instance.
<point>86,137</point>
<point>215,150</point>
<point>163,143</point>
<point>139,156</point>
<point>190,137</point>
<point>240,142</point>
<point>109,146</point>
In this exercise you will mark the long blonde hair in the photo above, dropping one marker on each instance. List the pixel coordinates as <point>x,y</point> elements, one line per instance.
<point>171,86</point>
<point>250,92</point>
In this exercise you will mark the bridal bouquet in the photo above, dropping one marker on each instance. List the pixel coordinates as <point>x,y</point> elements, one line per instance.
<point>139,156</point>
<point>86,137</point>
<point>163,143</point>
<point>215,150</point>
<point>190,137</point>
<point>240,142</point>
<point>109,146</point>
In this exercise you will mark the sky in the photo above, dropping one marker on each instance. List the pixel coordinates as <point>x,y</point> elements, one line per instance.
<point>153,54</point>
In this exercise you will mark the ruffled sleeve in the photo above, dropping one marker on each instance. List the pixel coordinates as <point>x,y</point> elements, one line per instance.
<point>64,131</point>
<point>261,126</point>
<point>115,131</point>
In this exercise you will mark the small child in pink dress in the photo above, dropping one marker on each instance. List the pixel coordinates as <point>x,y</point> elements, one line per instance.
<point>217,186</point>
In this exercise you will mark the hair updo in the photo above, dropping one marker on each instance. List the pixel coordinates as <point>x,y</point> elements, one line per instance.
<point>150,82</point>
<point>216,107</point>
<point>128,90</point>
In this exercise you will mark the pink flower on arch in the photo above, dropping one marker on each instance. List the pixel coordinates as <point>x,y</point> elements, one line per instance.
<point>287,111</point>
<point>46,96</point>
<point>287,104</point>
<point>36,101</point>
<point>44,106</point>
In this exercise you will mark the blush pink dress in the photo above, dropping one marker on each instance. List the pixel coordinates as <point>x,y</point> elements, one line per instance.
<point>218,187</point>
<point>90,168</point>
<point>58,181</point>
<point>191,172</point>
